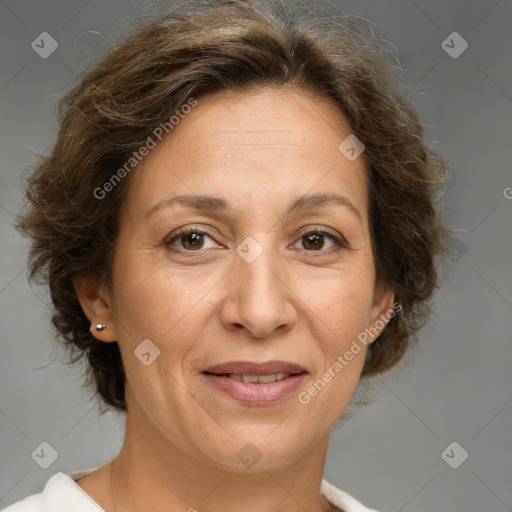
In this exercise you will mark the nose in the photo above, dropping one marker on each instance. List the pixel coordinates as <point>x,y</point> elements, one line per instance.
<point>258,298</point>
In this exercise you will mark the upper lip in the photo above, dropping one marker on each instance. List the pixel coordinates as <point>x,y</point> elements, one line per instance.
<point>253,368</point>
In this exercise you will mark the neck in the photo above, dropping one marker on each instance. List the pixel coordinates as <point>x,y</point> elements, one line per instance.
<point>152,473</point>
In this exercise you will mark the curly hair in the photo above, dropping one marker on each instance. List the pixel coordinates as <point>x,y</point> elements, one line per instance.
<point>196,50</point>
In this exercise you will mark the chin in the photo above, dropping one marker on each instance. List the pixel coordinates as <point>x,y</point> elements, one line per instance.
<point>258,448</point>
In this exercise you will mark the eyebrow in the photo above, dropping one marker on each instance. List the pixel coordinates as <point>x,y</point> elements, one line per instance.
<point>204,203</point>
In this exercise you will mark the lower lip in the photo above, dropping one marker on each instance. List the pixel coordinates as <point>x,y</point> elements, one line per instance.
<point>255,393</point>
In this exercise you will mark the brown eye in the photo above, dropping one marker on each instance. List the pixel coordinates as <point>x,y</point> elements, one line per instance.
<point>313,241</point>
<point>192,241</point>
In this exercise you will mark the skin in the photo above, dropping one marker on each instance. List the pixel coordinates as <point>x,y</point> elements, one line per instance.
<point>296,302</point>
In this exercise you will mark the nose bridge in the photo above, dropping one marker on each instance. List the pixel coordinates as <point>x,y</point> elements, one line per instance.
<point>257,264</point>
<point>258,298</point>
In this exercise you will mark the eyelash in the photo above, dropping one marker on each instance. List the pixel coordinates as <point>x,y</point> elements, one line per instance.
<point>340,242</point>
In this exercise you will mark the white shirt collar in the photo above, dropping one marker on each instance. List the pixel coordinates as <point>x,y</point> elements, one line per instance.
<point>61,490</point>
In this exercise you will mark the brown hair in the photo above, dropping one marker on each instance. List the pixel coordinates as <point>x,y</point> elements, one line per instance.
<point>241,46</point>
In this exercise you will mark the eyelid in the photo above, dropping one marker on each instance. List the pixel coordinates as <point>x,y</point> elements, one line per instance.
<point>192,228</point>
<point>338,239</point>
<point>324,231</point>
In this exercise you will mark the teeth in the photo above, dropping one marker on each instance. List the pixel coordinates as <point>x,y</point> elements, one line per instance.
<point>264,379</point>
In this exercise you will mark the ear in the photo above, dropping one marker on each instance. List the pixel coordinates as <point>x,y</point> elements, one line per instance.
<point>382,309</point>
<point>95,301</point>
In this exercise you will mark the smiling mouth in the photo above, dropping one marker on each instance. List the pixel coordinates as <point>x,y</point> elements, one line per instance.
<point>262,379</point>
<point>256,384</point>
<point>251,369</point>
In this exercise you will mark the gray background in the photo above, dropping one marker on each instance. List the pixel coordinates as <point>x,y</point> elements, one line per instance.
<point>456,386</point>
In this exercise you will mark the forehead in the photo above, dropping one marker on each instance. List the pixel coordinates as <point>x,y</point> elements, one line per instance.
<point>267,121</point>
<point>269,146</point>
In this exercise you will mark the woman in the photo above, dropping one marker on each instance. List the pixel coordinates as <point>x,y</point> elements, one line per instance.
<point>238,222</point>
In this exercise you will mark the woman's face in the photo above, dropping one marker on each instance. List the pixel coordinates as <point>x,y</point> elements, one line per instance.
<point>247,284</point>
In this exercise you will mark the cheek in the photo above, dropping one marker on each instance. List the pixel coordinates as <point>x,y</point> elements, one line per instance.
<point>347,319</point>
<point>167,306</point>
<point>339,311</point>
<point>339,303</point>
<point>341,314</point>
<point>169,309</point>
